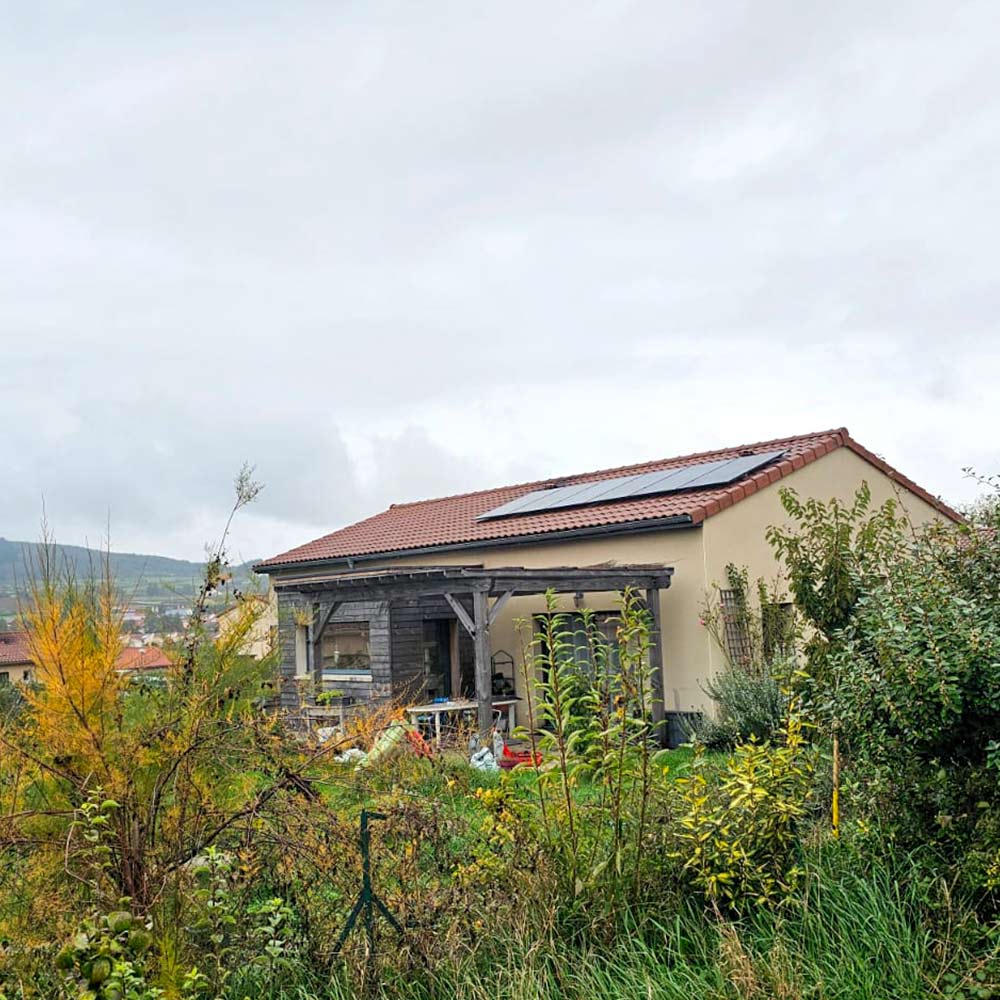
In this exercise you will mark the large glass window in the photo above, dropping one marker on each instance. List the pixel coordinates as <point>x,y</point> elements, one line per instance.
<point>345,647</point>
<point>601,642</point>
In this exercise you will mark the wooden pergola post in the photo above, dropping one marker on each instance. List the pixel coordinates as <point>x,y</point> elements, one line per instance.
<point>478,627</point>
<point>484,674</point>
<point>656,662</point>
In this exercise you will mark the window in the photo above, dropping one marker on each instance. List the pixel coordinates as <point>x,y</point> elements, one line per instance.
<point>744,643</point>
<point>345,647</point>
<point>27,676</point>
<point>601,645</point>
<point>4,678</point>
<point>596,658</point>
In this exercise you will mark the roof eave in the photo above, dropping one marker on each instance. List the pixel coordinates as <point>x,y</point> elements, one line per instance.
<point>537,538</point>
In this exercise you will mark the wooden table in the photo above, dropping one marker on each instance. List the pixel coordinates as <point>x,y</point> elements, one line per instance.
<point>439,708</point>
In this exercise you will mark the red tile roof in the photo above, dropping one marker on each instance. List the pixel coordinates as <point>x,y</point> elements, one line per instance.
<point>14,648</point>
<point>452,520</point>
<point>142,658</point>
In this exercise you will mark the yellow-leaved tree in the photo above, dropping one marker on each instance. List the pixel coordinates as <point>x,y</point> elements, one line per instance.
<point>117,786</point>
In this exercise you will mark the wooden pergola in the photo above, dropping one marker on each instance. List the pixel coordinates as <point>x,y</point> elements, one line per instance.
<point>489,590</point>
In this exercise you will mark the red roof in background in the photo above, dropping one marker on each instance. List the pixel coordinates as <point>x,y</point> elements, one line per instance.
<point>452,520</point>
<point>14,648</point>
<point>142,658</point>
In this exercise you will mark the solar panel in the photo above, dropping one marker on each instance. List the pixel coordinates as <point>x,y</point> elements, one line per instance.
<point>732,469</point>
<point>560,496</point>
<point>702,475</point>
<point>511,507</point>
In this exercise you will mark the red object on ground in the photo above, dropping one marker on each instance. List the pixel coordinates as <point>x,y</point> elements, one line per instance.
<point>420,746</point>
<point>511,758</point>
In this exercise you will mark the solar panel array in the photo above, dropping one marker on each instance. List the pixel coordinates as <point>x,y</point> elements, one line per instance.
<point>701,476</point>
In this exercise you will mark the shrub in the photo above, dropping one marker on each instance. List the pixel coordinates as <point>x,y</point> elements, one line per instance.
<point>749,707</point>
<point>905,667</point>
<point>832,555</point>
<point>109,957</point>
<point>738,834</point>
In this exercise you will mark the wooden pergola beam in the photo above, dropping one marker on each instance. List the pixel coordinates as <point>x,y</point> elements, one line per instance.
<point>317,637</point>
<point>460,613</point>
<point>498,605</point>
<point>494,583</point>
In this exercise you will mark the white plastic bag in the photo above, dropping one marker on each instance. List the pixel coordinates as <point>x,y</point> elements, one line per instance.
<point>483,760</point>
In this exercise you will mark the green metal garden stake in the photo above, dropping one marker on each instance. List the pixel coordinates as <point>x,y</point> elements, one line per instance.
<point>367,899</point>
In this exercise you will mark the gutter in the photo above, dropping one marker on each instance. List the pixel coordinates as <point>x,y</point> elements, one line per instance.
<point>625,528</point>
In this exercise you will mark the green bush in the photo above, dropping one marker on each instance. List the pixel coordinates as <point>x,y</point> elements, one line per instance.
<point>905,669</point>
<point>738,834</point>
<point>109,958</point>
<point>749,707</point>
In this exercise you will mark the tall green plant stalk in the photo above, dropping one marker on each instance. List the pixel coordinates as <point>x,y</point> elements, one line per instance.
<point>590,714</point>
<point>530,687</point>
<point>551,658</point>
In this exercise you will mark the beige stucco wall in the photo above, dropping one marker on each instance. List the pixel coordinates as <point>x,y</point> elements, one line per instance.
<point>737,535</point>
<point>698,555</point>
<point>261,638</point>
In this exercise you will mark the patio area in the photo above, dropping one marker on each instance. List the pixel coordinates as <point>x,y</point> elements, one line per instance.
<point>395,611</point>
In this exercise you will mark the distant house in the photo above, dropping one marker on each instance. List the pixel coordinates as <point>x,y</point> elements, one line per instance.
<point>16,666</point>
<point>142,660</point>
<point>421,600</point>
<point>261,639</point>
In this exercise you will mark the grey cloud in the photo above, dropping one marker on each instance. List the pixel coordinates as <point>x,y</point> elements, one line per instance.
<point>386,251</point>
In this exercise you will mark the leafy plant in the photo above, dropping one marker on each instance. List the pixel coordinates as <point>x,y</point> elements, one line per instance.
<point>590,714</point>
<point>832,554</point>
<point>328,697</point>
<point>752,626</point>
<point>738,833</point>
<point>749,708</point>
<point>109,957</point>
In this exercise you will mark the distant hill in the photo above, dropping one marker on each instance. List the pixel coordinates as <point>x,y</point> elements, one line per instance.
<point>129,568</point>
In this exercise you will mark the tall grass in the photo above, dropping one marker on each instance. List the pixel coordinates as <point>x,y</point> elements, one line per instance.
<point>857,934</point>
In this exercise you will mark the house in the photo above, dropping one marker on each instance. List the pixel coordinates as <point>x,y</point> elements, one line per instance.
<point>421,600</point>
<point>142,660</point>
<point>16,666</point>
<point>262,636</point>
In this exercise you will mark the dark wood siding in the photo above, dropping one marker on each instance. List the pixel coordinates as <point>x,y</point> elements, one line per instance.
<point>407,617</point>
<point>376,613</point>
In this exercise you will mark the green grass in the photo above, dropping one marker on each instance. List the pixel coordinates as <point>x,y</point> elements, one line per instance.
<point>858,933</point>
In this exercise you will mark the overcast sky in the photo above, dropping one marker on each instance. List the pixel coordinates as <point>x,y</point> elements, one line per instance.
<point>386,251</point>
